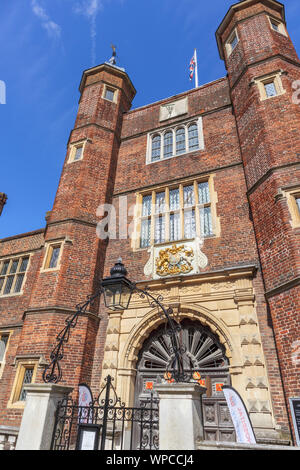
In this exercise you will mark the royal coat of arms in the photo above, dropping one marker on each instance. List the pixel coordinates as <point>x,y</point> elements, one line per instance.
<point>174,260</point>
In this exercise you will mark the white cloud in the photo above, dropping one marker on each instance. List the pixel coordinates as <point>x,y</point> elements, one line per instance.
<point>52,28</point>
<point>90,9</point>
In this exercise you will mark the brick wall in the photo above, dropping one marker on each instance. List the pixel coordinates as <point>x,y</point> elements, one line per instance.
<point>270,143</point>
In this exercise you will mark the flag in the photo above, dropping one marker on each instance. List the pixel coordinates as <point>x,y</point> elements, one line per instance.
<point>192,67</point>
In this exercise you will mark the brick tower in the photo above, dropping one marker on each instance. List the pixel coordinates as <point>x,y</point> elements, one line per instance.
<point>71,243</point>
<point>3,199</point>
<point>262,67</point>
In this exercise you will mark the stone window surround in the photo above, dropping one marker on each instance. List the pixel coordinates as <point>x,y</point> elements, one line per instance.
<point>291,194</point>
<point>136,237</point>
<point>281,26</point>
<point>22,365</point>
<point>274,77</point>
<point>3,362</point>
<point>49,247</point>
<point>185,124</point>
<point>228,46</point>
<point>13,257</point>
<point>73,147</point>
<point>114,90</point>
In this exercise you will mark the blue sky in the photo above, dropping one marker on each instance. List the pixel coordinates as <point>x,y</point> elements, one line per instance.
<point>45,46</point>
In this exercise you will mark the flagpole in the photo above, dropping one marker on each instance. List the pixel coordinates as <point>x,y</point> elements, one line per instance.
<point>196,70</point>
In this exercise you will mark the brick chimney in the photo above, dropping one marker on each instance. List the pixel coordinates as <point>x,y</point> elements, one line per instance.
<point>3,199</point>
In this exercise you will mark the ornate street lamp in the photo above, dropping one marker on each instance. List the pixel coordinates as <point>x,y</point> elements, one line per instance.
<point>117,291</point>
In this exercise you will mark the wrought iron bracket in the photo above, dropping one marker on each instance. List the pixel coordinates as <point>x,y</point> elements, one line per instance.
<point>176,371</point>
<point>53,372</point>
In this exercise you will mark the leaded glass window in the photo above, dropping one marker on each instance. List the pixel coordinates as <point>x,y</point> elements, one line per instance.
<point>183,212</point>
<point>160,203</point>
<point>147,203</point>
<point>28,374</point>
<point>180,141</point>
<point>3,343</point>
<point>203,191</point>
<point>145,233</point>
<point>160,229</point>
<point>12,275</point>
<point>206,221</point>
<point>174,199</point>
<point>275,25</point>
<point>233,42</point>
<point>78,152</point>
<point>270,89</point>
<point>175,227</point>
<point>193,137</point>
<point>188,196</point>
<point>168,144</point>
<point>146,221</point>
<point>54,257</point>
<point>109,94</point>
<point>156,143</point>
<point>189,224</point>
<point>172,142</point>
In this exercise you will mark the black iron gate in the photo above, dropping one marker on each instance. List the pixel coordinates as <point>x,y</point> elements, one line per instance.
<point>106,424</point>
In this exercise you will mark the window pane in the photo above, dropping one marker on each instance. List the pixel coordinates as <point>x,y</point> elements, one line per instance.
<point>160,229</point>
<point>174,199</point>
<point>193,137</point>
<point>156,140</point>
<point>54,257</point>
<point>298,202</point>
<point>168,144</point>
<point>160,203</point>
<point>4,268</point>
<point>174,227</point>
<point>203,190</point>
<point>270,89</point>
<point>109,94</point>
<point>275,26</point>
<point>14,266</point>
<point>27,380</point>
<point>8,285</point>
<point>145,233</point>
<point>189,224</point>
<point>3,343</point>
<point>188,196</point>
<point>2,279</point>
<point>234,42</point>
<point>147,203</point>
<point>206,221</point>
<point>24,265</point>
<point>78,153</point>
<point>19,282</point>
<point>180,141</point>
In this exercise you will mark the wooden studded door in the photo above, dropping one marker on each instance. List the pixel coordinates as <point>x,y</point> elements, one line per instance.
<point>205,357</point>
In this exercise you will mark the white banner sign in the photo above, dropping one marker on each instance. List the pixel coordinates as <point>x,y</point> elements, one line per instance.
<point>239,416</point>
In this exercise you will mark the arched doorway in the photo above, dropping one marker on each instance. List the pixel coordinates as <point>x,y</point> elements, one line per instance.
<point>209,366</point>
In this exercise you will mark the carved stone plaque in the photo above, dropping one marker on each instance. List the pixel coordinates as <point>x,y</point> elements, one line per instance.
<point>171,110</point>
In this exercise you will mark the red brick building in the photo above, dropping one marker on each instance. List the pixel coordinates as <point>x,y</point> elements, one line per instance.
<point>208,185</point>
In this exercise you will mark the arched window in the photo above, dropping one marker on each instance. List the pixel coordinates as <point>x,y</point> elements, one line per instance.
<point>168,144</point>
<point>156,141</point>
<point>193,137</point>
<point>180,141</point>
